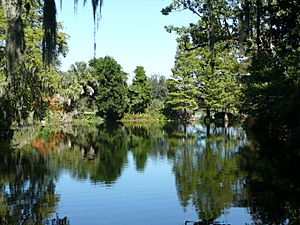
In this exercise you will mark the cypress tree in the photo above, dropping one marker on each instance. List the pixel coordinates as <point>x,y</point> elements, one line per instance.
<point>140,94</point>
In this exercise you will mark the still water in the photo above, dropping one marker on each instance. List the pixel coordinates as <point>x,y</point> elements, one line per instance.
<point>147,175</point>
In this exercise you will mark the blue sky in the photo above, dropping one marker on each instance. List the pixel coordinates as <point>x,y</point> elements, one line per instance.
<point>130,31</point>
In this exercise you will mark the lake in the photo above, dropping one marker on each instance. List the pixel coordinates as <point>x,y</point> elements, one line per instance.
<point>147,175</point>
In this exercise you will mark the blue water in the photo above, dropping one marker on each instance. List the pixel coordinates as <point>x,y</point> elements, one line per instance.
<point>147,197</point>
<point>143,198</point>
<point>145,176</point>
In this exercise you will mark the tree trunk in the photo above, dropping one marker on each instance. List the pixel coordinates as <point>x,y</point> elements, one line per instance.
<point>225,118</point>
<point>258,15</point>
<point>207,130</point>
<point>207,117</point>
<point>208,113</point>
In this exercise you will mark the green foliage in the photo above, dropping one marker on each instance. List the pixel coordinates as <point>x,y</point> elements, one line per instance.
<point>217,21</point>
<point>156,105</point>
<point>257,40</point>
<point>181,101</point>
<point>150,116</point>
<point>32,38</point>
<point>271,89</point>
<point>88,118</point>
<point>139,93</point>
<point>219,87</point>
<point>29,84</point>
<point>196,84</point>
<point>111,99</point>
<point>159,87</point>
<point>79,88</point>
<point>206,65</point>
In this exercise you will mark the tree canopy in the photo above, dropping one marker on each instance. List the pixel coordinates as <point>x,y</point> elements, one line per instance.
<point>139,91</point>
<point>26,89</point>
<point>14,20</point>
<point>111,100</point>
<point>263,39</point>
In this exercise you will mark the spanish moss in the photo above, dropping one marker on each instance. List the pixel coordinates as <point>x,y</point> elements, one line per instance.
<point>15,44</point>
<point>96,4</point>
<point>49,23</point>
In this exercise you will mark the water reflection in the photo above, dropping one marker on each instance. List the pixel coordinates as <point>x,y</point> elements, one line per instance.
<point>95,153</point>
<point>146,141</point>
<point>272,180</point>
<point>206,169</point>
<point>27,184</point>
<point>215,169</point>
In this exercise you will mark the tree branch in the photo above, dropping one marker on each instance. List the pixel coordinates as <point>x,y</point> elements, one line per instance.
<point>188,6</point>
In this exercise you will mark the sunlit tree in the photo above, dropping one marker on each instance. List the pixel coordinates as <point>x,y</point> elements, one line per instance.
<point>139,92</point>
<point>111,99</point>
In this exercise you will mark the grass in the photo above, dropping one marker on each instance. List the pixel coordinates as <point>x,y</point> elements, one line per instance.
<point>143,117</point>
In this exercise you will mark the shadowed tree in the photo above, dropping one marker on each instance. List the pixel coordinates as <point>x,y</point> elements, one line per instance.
<point>272,86</point>
<point>24,92</point>
<point>271,180</point>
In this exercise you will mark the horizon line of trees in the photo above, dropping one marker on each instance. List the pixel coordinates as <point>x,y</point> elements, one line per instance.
<point>101,87</point>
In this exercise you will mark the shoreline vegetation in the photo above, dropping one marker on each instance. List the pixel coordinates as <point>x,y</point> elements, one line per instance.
<point>144,117</point>
<point>61,120</point>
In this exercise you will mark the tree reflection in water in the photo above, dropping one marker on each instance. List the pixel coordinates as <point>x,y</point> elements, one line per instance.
<point>206,170</point>
<point>95,153</point>
<point>145,141</point>
<point>214,169</point>
<point>27,183</point>
<point>272,181</point>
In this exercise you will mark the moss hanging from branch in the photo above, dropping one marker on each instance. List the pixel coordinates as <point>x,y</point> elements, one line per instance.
<point>49,25</point>
<point>96,4</point>
<point>16,45</point>
<point>49,41</point>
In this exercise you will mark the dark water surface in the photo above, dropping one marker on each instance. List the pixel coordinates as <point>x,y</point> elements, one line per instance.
<point>147,175</point>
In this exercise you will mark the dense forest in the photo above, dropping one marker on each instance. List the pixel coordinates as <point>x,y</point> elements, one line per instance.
<point>239,58</point>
